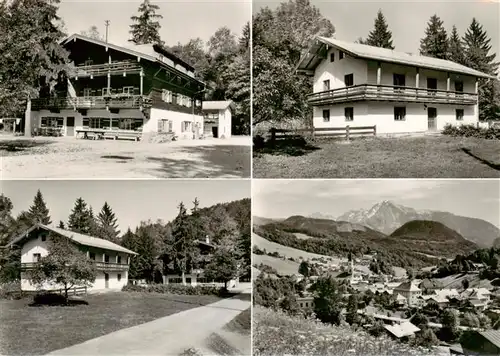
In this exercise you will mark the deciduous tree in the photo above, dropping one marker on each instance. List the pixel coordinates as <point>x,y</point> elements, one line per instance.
<point>93,32</point>
<point>64,266</point>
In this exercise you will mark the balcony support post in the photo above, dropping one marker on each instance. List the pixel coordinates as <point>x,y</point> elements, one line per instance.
<point>448,84</point>
<point>142,82</point>
<point>476,88</point>
<point>109,84</point>
<point>379,74</point>
<point>417,81</point>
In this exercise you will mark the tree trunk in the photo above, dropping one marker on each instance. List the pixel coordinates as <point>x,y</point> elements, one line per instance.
<point>225,285</point>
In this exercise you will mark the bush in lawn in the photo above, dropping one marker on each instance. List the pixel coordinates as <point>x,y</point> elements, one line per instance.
<point>49,299</point>
<point>10,290</point>
<point>175,289</point>
<point>491,133</point>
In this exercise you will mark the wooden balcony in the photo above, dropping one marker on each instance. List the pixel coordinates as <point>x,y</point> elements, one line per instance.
<point>371,92</point>
<point>117,101</point>
<point>114,68</point>
<point>101,266</point>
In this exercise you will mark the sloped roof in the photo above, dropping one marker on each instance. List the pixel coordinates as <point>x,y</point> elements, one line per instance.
<point>407,286</point>
<point>404,329</point>
<point>80,239</point>
<point>308,62</point>
<point>217,105</point>
<point>492,336</point>
<point>400,297</point>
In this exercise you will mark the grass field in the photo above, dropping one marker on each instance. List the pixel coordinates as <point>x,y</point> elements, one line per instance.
<point>275,333</point>
<point>404,157</point>
<point>26,330</point>
<point>270,246</point>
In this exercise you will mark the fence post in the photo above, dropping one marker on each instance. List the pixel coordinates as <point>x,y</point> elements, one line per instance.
<point>374,130</point>
<point>273,135</point>
<point>347,133</point>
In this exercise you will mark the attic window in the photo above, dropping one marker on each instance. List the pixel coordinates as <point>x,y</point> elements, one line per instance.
<point>44,237</point>
<point>341,55</point>
<point>332,57</point>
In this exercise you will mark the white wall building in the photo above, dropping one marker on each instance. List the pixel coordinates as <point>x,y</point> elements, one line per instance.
<point>358,86</point>
<point>111,260</point>
<point>217,118</point>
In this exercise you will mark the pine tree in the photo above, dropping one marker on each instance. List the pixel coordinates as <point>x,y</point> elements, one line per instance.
<point>477,49</point>
<point>182,246</point>
<point>38,212</point>
<point>145,29</point>
<point>435,42</point>
<point>380,36</point>
<point>129,240</point>
<point>81,218</point>
<point>61,225</point>
<point>107,224</point>
<point>455,47</point>
<point>29,30</point>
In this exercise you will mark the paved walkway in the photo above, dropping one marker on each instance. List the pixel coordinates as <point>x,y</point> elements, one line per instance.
<point>170,335</point>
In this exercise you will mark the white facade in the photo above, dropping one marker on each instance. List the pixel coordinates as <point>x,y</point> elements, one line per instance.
<point>382,113</point>
<point>184,126</point>
<point>37,247</point>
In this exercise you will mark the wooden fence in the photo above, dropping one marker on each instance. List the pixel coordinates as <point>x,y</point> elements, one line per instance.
<point>347,132</point>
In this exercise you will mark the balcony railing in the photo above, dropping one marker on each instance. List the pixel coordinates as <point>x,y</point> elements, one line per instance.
<point>102,266</point>
<point>105,68</point>
<point>117,101</point>
<point>391,93</point>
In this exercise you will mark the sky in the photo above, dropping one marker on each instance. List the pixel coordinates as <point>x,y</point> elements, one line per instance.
<point>132,201</point>
<point>281,198</point>
<point>182,20</point>
<point>407,19</point>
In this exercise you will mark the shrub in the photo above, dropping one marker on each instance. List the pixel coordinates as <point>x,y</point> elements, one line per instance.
<point>176,289</point>
<point>49,299</point>
<point>258,142</point>
<point>10,290</point>
<point>491,133</point>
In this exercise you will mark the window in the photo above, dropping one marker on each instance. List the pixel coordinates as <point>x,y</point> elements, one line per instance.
<point>92,256</point>
<point>349,114</point>
<point>399,80</point>
<point>186,126</point>
<point>326,85</point>
<point>459,87</point>
<point>87,92</point>
<point>432,83</point>
<point>37,257</point>
<point>119,277</point>
<point>44,237</point>
<point>301,305</point>
<point>55,122</point>
<point>399,113</point>
<point>341,55</point>
<point>164,125</point>
<point>349,80</point>
<point>326,115</point>
<point>106,258</point>
<point>128,90</point>
<point>332,57</point>
<point>119,259</point>
<point>459,114</point>
<point>166,96</point>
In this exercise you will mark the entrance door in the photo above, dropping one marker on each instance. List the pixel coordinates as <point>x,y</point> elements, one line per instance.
<point>106,280</point>
<point>70,126</point>
<point>215,131</point>
<point>431,119</point>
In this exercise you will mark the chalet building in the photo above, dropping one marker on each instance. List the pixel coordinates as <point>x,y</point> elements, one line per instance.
<point>120,92</point>
<point>195,275</point>
<point>360,86</point>
<point>410,291</point>
<point>111,260</point>
<point>481,343</point>
<point>306,303</point>
<point>217,118</point>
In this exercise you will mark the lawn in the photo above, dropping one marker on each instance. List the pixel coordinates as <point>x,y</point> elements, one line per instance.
<point>27,330</point>
<point>275,333</point>
<point>403,157</point>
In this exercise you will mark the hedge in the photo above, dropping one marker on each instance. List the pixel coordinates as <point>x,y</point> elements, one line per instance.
<point>176,289</point>
<point>491,133</point>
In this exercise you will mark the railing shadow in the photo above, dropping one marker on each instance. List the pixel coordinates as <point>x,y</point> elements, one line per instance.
<point>293,146</point>
<point>482,160</point>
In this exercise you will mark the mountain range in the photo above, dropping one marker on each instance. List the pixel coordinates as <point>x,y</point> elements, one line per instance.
<point>387,217</point>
